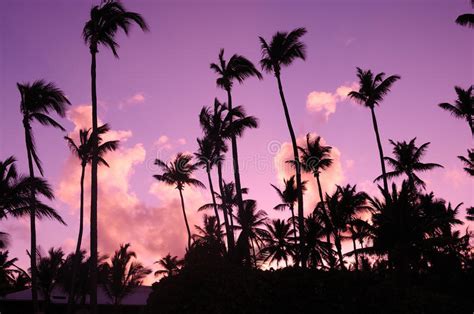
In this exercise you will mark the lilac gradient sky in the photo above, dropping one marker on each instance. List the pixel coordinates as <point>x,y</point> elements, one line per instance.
<point>167,70</point>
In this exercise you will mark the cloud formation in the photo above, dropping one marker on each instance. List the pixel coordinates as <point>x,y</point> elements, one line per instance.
<point>325,103</point>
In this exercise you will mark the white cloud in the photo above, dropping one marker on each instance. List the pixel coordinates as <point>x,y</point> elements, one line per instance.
<point>325,103</point>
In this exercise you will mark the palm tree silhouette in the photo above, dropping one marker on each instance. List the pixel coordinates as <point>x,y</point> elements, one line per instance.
<point>12,278</point>
<point>277,246</point>
<point>210,235</point>
<point>316,249</point>
<point>48,273</point>
<point>463,107</point>
<point>408,161</point>
<point>359,231</point>
<point>237,69</point>
<point>371,92</point>
<point>466,19</point>
<point>283,49</point>
<point>83,151</point>
<point>288,198</point>
<point>105,21</point>
<point>208,157</point>
<point>316,158</point>
<point>178,173</point>
<point>37,101</point>
<point>468,161</point>
<point>343,206</point>
<point>170,265</point>
<point>250,223</point>
<point>123,274</point>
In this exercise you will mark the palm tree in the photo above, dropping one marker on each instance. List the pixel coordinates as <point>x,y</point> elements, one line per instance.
<point>178,173</point>
<point>12,278</point>
<point>359,231</point>
<point>316,158</point>
<point>463,107</point>
<point>122,274</point>
<point>371,92</point>
<point>466,19</point>
<point>210,235</point>
<point>206,156</point>
<point>469,162</point>
<point>238,69</point>
<point>317,249</point>
<point>277,246</point>
<point>170,265</point>
<point>37,101</point>
<point>83,151</point>
<point>408,161</point>
<point>288,198</point>
<point>48,272</point>
<point>343,206</point>
<point>250,223</point>
<point>105,21</point>
<point>282,51</point>
<point>470,213</point>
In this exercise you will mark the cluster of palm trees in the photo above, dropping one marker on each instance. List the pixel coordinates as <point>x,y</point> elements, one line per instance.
<point>406,228</point>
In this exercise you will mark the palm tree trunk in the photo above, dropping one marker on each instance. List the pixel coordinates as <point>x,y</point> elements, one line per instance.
<point>185,218</point>
<point>77,258</point>
<point>211,188</point>
<point>325,213</point>
<point>93,228</point>
<point>235,159</point>
<point>337,241</point>
<point>34,276</point>
<point>294,223</point>
<point>229,232</point>
<point>231,219</point>
<point>356,255</point>
<point>379,144</point>
<point>298,172</point>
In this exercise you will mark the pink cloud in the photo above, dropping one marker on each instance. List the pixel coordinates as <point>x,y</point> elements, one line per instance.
<point>325,103</point>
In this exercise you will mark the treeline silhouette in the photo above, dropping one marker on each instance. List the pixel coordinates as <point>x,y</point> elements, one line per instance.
<point>407,254</point>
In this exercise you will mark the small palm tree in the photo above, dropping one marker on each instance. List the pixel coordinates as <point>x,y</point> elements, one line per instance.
<point>83,151</point>
<point>408,161</point>
<point>359,231</point>
<point>283,49</point>
<point>238,68</point>
<point>170,265</point>
<point>463,107</point>
<point>277,246</point>
<point>288,198</point>
<point>106,20</point>
<point>317,250</point>
<point>371,92</point>
<point>468,162</point>
<point>316,158</point>
<point>12,278</point>
<point>122,274</point>
<point>250,223</point>
<point>178,173</point>
<point>210,235</point>
<point>37,101</point>
<point>48,272</point>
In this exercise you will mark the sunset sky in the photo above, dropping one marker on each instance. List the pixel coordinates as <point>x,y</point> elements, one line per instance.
<point>152,95</point>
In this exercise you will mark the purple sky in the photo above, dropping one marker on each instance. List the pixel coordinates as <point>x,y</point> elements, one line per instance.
<point>162,80</point>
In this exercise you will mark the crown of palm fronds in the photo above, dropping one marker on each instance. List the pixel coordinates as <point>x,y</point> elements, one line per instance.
<point>315,157</point>
<point>468,162</point>
<point>178,172</point>
<point>289,195</point>
<point>463,107</point>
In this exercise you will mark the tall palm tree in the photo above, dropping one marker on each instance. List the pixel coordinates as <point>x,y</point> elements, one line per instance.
<point>170,265</point>
<point>83,151</point>
<point>37,101</point>
<point>468,162</point>
<point>316,158</point>
<point>48,273</point>
<point>250,222</point>
<point>277,244</point>
<point>283,49</point>
<point>288,198</point>
<point>122,274</point>
<point>371,92</point>
<point>407,160</point>
<point>178,173</point>
<point>238,68</point>
<point>207,157</point>
<point>106,20</point>
<point>463,107</point>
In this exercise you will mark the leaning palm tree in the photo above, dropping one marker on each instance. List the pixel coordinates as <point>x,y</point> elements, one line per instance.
<point>123,274</point>
<point>463,107</point>
<point>277,245</point>
<point>316,158</point>
<point>83,151</point>
<point>407,160</point>
<point>238,68</point>
<point>178,173</point>
<point>371,92</point>
<point>468,162</point>
<point>106,20</point>
<point>170,265</point>
<point>288,197</point>
<point>37,101</point>
<point>283,49</point>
